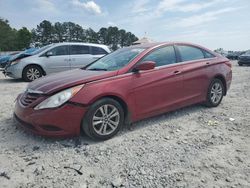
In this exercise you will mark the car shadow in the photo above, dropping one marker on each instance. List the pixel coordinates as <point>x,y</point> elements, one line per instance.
<point>7,80</point>
<point>83,140</point>
<point>163,118</point>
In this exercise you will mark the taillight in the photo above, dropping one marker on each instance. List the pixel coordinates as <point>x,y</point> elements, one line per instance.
<point>228,63</point>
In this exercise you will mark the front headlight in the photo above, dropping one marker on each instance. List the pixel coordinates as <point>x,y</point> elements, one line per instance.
<point>59,98</point>
<point>15,62</point>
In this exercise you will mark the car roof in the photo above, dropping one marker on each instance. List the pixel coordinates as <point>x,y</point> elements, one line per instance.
<point>79,43</point>
<point>154,44</point>
<point>158,44</point>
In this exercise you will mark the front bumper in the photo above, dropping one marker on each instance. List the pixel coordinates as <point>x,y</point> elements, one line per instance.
<point>64,121</point>
<point>13,71</point>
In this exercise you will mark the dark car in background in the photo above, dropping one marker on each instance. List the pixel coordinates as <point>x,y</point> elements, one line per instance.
<point>233,55</point>
<point>244,59</point>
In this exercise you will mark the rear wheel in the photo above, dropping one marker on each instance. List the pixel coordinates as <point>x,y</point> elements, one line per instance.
<point>103,119</point>
<point>240,64</point>
<point>215,93</point>
<point>32,72</point>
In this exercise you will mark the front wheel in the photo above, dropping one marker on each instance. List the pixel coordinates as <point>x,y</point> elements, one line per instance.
<point>31,73</point>
<point>103,119</point>
<point>215,93</point>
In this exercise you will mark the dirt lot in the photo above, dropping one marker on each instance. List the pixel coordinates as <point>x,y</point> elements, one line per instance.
<point>191,147</point>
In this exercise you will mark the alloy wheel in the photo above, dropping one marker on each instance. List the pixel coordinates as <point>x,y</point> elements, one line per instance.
<point>33,73</point>
<point>106,119</point>
<point>216,93</point>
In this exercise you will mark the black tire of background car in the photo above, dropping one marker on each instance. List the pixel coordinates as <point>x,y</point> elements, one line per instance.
<point>24,75</point>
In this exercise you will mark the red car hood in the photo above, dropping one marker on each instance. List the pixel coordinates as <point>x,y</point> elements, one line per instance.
<point>56,82</point>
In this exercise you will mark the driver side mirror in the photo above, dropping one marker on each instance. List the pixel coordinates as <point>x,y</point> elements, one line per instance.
<point>48,54</point>
<point>146,65</point>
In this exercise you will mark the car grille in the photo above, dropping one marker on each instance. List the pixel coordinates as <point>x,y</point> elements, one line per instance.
<point>28,99</point>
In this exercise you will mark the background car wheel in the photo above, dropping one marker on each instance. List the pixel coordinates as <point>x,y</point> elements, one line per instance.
<point>215,93</point>
<point>103,119</point>
<point>240,64</point>
<point>32,72</point>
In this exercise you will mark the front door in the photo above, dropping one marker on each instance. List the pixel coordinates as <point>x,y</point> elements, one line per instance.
<point>157,90</point>
<point>57,59</point>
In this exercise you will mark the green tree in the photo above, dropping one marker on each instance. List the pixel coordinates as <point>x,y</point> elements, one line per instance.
<point>91,36</point>
<point>73,32</point>
<point>59,32</point>
<point>7,36</point>
<point>44,33</point>
<point>103,35</point>
<point>23,38</point>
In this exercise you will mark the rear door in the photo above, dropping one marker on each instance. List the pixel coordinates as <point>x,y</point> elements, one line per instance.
<point>80,56</point>
<point>196,68</point>
<point>58,60</point>
<point>156,90</point>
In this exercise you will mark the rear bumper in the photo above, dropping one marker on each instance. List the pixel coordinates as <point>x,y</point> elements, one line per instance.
<point>62,122</point>
<point>229,77</point>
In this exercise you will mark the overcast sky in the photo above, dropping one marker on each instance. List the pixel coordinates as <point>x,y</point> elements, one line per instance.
<point>212,23</point>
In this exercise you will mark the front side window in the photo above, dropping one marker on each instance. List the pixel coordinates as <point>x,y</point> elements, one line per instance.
<point>162,56</point>
<point>116,60</point>
<point>189,53</point>
<point>59,50</point>
<point>98,51</point>
<point>79,49</point>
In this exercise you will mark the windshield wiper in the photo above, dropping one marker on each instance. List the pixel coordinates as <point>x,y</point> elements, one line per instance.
<point>97,69</point>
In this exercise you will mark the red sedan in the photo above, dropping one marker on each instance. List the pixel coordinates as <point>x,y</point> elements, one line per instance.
<point>125,86</point>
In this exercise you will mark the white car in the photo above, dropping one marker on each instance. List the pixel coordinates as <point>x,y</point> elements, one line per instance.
<point>55,58</point>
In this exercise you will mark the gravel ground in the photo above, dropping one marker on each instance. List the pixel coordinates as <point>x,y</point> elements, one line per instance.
<point>192,147</point>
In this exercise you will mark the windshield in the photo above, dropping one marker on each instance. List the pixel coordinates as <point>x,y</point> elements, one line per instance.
<point>247,52</point>
<point>41,49</point>
<point>115,60</point>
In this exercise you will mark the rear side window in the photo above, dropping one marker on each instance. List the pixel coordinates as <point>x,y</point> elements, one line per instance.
<point>60,50</point>
<point>98,51</point>
<point>79,49</point>
<point>207,54</point>
<point>189,53</point>
<point>162,56</point>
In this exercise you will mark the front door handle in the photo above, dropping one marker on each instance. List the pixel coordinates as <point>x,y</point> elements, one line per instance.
<point>177,72</point>
<point>208,63</point>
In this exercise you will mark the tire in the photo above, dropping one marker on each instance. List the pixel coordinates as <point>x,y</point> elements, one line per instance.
<point>215,93</point>
<point>31,73</point>
<point>240,64</point>
<point>97,123</point>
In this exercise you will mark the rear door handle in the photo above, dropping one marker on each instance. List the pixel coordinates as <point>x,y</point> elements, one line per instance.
<point>177,72</point>
<point>208,63</point>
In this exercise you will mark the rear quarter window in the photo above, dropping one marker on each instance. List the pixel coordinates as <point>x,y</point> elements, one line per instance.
<point>208,54</point>
<point>189,53</point>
